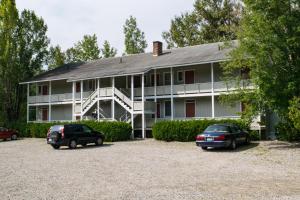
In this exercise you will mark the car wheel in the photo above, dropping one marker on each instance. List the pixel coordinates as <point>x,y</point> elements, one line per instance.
<point>233,144</point>
<point>73,144</point>
<point>14,137</point>
<point>204,148</point>
<point>247,141</point>
<point>55,146</point>
<point>99,141</point>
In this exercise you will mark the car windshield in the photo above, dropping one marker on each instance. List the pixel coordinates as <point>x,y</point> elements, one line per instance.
<point>217,128</point>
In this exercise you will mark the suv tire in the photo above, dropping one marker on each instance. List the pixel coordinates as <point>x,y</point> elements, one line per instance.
<point>73,144</point>
<point>55,146</point>
<point>14,137</point>
<point>233,144</point>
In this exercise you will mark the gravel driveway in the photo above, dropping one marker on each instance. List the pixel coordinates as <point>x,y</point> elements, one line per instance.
<point>30,169</point>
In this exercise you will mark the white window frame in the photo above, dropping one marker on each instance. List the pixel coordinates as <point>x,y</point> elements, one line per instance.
<point>42,87</point>
<point>183,76</point>
<point>164,78</point>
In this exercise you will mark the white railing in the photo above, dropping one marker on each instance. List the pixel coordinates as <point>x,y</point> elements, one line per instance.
<point>90,99</point>
<point>123,97</point>
<point>55,98</point>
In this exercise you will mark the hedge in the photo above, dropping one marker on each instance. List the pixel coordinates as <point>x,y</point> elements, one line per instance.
<point>185,131</point>
<point>113,131</point>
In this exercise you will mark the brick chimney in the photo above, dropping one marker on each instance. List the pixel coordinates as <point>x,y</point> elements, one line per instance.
<point>157,48</point>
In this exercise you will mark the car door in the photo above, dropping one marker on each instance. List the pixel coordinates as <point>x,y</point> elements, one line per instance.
<point>2,134</point>
<point>89,137</point>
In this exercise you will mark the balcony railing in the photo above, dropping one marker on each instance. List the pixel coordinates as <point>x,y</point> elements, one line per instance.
<point>56,98</point>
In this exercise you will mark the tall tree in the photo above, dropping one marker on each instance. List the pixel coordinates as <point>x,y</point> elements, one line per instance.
<point>56,57</point>
<point>108,51</point>
<point>23,49</point>
<point>270,38</point>
<point>135,41</point>
<point>210,21</point>
<point>85,50</point>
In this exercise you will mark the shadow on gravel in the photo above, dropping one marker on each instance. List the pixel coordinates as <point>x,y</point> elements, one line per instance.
<point>9,140</point>
<point>79,147</point>
<point>283,145</point>
<point>239,148</point>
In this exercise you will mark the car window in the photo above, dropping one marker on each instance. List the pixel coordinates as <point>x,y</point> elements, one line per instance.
<point>217,128</point>
<point>86,129</point>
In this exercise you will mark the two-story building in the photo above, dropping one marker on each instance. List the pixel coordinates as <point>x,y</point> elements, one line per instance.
<point>177,84</point>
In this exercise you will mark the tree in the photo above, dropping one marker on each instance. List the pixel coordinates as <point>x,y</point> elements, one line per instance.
<point>56,57</point>
<point>85,50</point>
<point>134,38</point>
<point>210,21</point>
<point>108,51</point>
<point>269,46</point>
<point>23,49</point>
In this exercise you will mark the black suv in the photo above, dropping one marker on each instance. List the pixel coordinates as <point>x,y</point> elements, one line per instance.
<point>73,134</point>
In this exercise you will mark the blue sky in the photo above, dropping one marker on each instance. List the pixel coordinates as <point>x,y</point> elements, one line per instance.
<point>69,20</point>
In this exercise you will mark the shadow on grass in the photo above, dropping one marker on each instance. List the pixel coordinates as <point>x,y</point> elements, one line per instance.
<point>240,148</point>
<point>80,147</point>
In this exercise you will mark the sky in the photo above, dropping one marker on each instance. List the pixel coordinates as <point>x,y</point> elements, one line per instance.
<point>69,20</point>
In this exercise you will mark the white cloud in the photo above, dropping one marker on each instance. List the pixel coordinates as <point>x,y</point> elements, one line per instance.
<point>69,20</point>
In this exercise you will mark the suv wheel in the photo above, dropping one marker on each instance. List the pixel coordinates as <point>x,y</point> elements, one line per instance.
<point>204,148</point>
<point>14,137</point>
<point>73,144</point>
<point>55,146</point>
<point>99,141</point>
<point>233,144</point>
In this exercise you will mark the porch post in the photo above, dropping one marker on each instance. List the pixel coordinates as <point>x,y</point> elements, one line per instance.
<point>50,106</point>
<point>81,99</point>
<point>132,105</point>
<point>212,91</point>
<point>73,97</point>
<point>28,102</point>
<point>143,107</point>
<point>155,93</point>
<point>113,99</point>
<point>98,101</point>
<point>172,99</point>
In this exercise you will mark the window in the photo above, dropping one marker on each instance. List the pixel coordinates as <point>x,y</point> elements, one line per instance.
<point>167,78</point>
<point>92,85</point>
<point>86,129</point>
<point>180,76</point>
<point>78,87</point>
<point>168,109</point>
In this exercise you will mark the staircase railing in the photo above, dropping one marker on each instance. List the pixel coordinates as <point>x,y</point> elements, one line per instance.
<point>123,97</point>
<point>90,99</point>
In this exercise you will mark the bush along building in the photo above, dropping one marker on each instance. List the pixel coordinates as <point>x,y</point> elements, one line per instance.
<point>177,84</point>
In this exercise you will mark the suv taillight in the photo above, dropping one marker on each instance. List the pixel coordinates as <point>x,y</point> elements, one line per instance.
<point>62,133</point>
<point>220,138</point>
<point>200,137</point>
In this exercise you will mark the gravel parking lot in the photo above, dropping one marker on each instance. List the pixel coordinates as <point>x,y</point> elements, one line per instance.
<point>30,169</point>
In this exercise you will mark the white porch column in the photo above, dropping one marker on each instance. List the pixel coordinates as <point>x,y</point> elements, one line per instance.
<point>113,98</point>
<point>50,106</point>
<point>81,99</point>
<point>28,88</point>
<point>73,97</point>
<point>143,107</point>
<point>132,105</point>
<point>155,93</point>
<point>212,91</point>
<point>172,98</point>
<point>98,101</point>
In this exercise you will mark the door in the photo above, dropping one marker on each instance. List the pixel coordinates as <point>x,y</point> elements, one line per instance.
<point>88,135</point>
<point>45,114</point>
<point>45,90</point>
<point>190,108</point>
<point>189,77</point>
<point>158,110</point>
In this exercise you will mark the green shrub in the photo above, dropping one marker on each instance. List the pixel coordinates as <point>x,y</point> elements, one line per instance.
<point>287,132</point>
<point>113,131</point>
<point>254,135</point>
<point>185,131</point>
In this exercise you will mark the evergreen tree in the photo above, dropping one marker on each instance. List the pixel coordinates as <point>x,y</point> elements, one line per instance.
<point>56,57</point>
<point>210,21</point>
<point>134,38</point>
<point>108,51</point>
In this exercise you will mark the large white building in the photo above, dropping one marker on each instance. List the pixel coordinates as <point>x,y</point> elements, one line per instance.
<point>178,84</point>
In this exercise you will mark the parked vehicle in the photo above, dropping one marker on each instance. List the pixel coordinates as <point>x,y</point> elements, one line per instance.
<point>6,133</point>
<point>222,135</point>
<point>73,134</point>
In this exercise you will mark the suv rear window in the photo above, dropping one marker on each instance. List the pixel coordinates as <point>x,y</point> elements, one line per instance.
<point>56,128</point>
